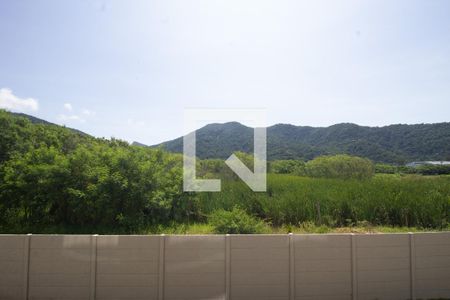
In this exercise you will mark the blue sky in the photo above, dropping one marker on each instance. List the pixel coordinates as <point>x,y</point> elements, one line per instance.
<point>128,69</point>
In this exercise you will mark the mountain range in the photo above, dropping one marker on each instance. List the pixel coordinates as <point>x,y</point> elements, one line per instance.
<point>391,144</point>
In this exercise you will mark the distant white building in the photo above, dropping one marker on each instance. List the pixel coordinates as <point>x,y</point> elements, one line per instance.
<point>428,163</point>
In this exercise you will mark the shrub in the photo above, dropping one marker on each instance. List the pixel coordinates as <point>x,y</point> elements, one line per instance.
<point>433,170</point>
<point>236,221</point>
<point>294,167</point>
<point>386,169</point>
<point>340,166</point>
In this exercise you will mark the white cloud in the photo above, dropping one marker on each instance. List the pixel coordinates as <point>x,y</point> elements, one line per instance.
<point>65,118</point>
<point>10,101</point>
<point>81,117</point>
<point>68,106</point>
<point>88,112</point>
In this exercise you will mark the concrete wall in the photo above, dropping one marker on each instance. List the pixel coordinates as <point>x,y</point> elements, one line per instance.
<point>194,267</point>
<point>13,266</point>
<point>127,267</point>
<point>431,263</point>
<point>323,267</point>
<point>59,267</point>
<point>259,267</point>
<point>238,267</point>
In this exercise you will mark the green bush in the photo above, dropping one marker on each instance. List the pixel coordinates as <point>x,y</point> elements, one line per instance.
<point>51,176</point>
<point>218,169</point>
<point>340,166</point>
<point>386,169</point>
<point>433,170</point>
<point>236,221</point>
<point>293,167</point>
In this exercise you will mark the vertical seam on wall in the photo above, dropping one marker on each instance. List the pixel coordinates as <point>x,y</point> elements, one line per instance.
<point>412,266</point>
<point>93,267</point>
<point>227,267</point>
<point>161,266</point>
<point>291,267</point>
<point>26,266</point>
<point>354,267</point>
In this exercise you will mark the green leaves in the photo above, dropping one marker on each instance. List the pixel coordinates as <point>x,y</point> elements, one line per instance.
<point>340,166</point>
<point>337,166</point>
<point>236,221</point>
<point>53,176</point>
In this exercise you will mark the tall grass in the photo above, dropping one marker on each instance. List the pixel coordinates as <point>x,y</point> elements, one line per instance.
<point>390,200</point>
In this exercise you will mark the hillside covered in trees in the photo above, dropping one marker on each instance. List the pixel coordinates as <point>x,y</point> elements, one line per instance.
<point>391,144</point>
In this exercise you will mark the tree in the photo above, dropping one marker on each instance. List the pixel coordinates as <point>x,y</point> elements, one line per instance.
<point>340,166</point>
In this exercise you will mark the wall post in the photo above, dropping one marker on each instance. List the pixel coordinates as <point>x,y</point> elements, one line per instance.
<point>26,265</point>
<point>291,267</point>
<point>412,265</point>
<point>227,267</point>
<point>161,263</point>
<point>93,283</point>
<point>354,268</point>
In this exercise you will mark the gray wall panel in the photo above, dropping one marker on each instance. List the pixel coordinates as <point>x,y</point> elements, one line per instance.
<point>236,267</point>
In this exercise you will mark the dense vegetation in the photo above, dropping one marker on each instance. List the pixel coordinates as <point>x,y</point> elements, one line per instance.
<point>381,200</point>
<point>54,179</point>
<point>392,144</point>
<point>53,176</point>
<point>423,169</point>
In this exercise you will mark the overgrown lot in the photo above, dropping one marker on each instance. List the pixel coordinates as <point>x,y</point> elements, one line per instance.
<point>57,180</point>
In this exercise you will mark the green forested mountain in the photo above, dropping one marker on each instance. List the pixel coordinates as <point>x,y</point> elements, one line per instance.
<point>393,144</point>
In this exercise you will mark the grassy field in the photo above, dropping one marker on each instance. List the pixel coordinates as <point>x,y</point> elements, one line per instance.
<point>381,204</point>
<point>384,200</point>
